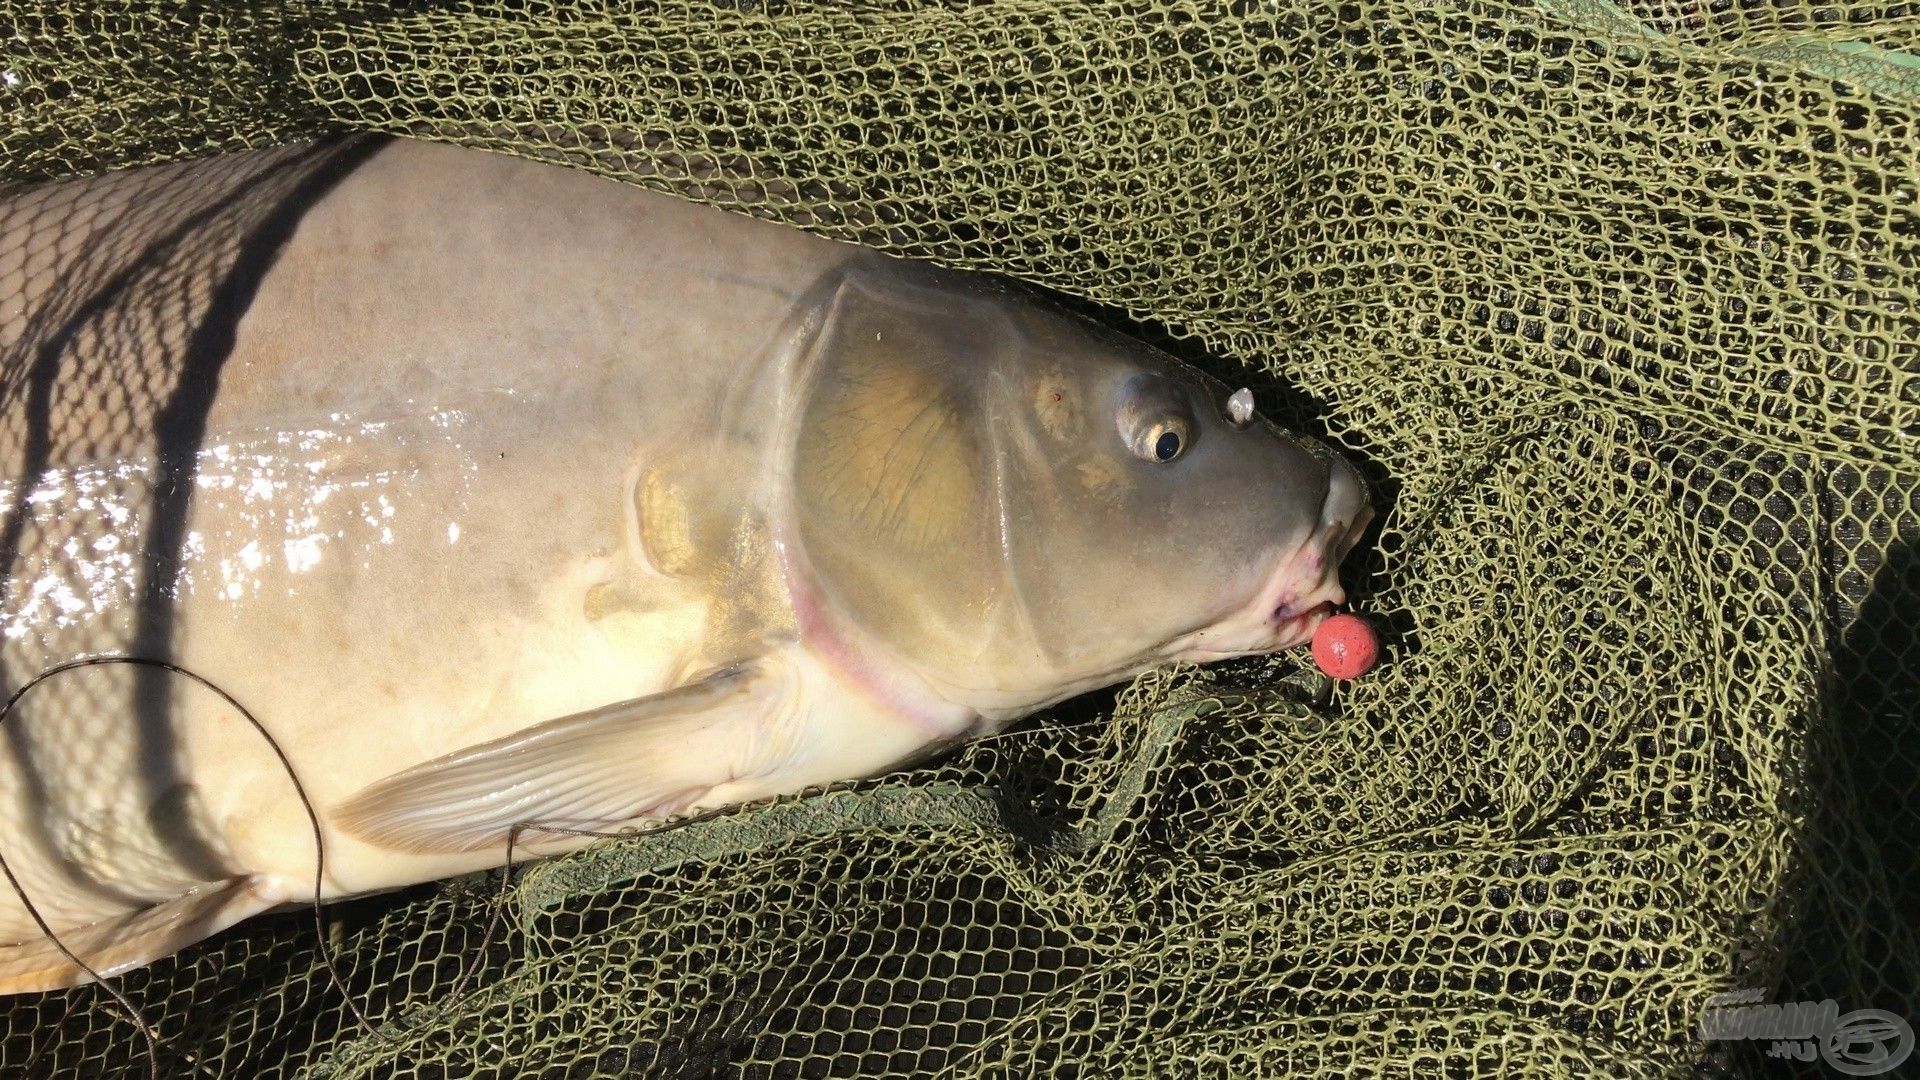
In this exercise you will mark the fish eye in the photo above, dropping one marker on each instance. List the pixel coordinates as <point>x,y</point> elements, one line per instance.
<point>1155,420</point>
<point>1163,439</point>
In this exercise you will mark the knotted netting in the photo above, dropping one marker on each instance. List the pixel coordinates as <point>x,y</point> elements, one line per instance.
<point>1615,302</point>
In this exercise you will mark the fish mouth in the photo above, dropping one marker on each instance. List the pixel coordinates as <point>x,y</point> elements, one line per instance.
<point>1298,630</point>
<point>1302,590</point>
<point>1296,613</point>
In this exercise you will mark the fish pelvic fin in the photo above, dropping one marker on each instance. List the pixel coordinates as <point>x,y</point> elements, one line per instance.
<point>647,758</point>
<point>134,939</point>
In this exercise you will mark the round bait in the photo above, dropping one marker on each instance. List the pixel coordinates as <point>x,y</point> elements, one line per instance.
<point>1345,647</point>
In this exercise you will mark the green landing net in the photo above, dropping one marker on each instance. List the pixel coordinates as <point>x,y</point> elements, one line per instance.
<point>1617,304</point>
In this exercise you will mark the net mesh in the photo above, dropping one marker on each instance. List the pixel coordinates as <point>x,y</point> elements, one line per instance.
<point>1616,303</point>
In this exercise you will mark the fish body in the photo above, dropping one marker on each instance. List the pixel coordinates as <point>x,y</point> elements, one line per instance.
<point>441,496</point>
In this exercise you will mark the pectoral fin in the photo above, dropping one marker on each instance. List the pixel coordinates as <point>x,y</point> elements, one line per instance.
<point>649,757</point>
<point>139,937</point>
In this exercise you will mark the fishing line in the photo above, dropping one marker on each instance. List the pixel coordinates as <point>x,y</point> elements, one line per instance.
<point>133,1014</point>
<point>327,959</point>
<point>313,819</point>
<point>457,992</point>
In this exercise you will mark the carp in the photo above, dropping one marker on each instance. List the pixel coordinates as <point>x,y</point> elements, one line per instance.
<point>366,506</point>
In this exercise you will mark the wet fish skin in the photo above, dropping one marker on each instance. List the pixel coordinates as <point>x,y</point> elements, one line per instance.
<point>504,494</point>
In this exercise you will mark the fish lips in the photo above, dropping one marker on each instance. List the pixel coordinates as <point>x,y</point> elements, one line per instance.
<point>1295,598</point>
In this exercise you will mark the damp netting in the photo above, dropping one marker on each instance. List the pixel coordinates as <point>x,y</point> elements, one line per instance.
<point>1616,302</point>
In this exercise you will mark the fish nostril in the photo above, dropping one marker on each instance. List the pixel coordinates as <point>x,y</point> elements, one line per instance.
<point>1240,408</point>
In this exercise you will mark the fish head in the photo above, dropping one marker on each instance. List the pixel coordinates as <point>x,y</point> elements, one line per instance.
<point>1022,505</point>
<point>1158,516</point>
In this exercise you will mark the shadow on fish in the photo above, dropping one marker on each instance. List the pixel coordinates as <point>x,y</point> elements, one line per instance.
<point>512,500</point>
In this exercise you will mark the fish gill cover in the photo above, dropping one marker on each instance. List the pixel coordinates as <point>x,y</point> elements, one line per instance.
<point>1617,303</point>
